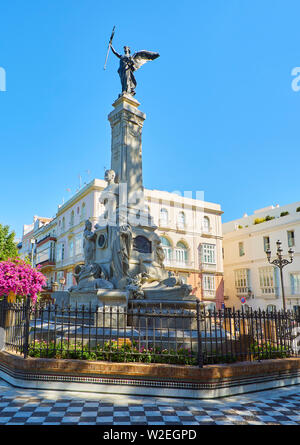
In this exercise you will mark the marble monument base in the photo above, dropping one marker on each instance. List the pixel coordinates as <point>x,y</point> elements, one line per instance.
<point>111,305</point>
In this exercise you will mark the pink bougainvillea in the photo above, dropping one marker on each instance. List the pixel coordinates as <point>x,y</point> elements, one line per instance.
<point>19,277</point>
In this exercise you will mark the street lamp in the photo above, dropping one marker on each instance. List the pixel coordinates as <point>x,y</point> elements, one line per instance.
<point>280,262</point>
<point>32,241</point>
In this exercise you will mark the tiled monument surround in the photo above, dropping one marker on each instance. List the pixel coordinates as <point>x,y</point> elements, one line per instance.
<point>212,381</point>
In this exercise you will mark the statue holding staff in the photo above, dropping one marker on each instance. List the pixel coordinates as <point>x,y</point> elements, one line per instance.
<point>129,64</point>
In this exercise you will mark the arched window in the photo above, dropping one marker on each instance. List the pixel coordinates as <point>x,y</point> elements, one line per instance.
<point>181,253</point>
<point>206,224</point>
<point>83,211</point>
<point>167,248</point>
<point>147,210</point>
<point>181,220</point>
<point>163,217</point>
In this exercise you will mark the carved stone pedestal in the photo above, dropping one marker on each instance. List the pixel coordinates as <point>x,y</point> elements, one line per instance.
<point>112,312</point>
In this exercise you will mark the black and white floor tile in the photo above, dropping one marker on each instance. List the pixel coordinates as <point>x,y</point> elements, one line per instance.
<point>36,407</point>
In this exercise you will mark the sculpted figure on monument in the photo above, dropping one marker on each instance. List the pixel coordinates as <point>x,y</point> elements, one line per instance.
<point>121,252</point>
<point>88,243</point>
<point>130,63</point>
<point>89,278</point>
<point>110,199</point>
<point>159,252</point>
<point>110,176</point>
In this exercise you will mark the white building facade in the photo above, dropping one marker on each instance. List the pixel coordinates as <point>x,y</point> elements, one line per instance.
<point>249,279</point>
<point>190,231</point>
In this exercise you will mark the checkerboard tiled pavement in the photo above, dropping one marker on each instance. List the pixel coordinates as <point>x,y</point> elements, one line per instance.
<point>36,407</point>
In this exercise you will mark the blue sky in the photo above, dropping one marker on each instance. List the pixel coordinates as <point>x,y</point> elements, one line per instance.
<point>221,114</point>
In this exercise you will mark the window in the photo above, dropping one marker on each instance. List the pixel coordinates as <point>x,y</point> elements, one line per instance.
<point>72,218</point>
<point>83,211</point>
<point>78,245</point>
<point>208,253</point>
<point>266,240</point>
<point>181,253</point>
<point>166,245</point>
<point>71,248</point>
<point>63,224</point>
<point>209,282</point>
<point>60,252</point>
<point>163,219</point>
<point>147,210</point>
<point>295,283</point>
<point>43,253</point>
<point>241,249</point>
<point>206,224</point>
<point>267,280</point>
<point>241,279</point>
<point>271,308</point>
<point>291,238</point>
<point>181,220</point>
<point>52,251</point>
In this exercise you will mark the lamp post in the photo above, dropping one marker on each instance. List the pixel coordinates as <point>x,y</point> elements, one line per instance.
<point>280,262</point>
<point>32,241</point>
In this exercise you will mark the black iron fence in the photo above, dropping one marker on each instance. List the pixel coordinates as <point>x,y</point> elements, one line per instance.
<point>148,332</point>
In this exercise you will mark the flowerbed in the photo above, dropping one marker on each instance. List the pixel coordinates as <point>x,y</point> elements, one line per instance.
<point>114,351</point>
<point>267,351</point>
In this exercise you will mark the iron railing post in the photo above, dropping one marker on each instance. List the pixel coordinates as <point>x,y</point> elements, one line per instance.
<point>200,354</point>
<point>3,311</point>
<point>26,327</point>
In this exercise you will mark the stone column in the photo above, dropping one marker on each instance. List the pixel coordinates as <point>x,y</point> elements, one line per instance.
<point>126,149</point>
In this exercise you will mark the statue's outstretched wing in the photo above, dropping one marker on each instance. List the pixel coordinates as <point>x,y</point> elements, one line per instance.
<point>142,57</point>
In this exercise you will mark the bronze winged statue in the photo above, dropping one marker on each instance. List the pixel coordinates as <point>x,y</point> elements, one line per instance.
<point>130,63</point>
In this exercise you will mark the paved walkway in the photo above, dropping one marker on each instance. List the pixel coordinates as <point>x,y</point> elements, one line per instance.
<point>36,407</point>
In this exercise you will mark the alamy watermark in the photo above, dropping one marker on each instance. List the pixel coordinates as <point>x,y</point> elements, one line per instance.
<point>296,80</point>
<point>2,79</point>
<point>121,206</point>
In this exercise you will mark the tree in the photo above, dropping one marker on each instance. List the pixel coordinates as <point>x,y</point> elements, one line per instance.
<point>8,247</point>
<point>19,278</point>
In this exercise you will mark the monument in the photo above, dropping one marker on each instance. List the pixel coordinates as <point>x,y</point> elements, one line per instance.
<point>123,253</point>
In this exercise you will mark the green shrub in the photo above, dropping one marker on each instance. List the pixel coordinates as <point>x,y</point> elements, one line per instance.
<point>112,351</point>
<point>261,220</point>
<point>298,209</point>
<point>266,351</point>
<point>284,213</point>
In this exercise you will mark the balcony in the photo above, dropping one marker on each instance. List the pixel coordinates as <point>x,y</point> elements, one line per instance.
<point>181,227</point>
<point>45,239</point>
<point>163,223</point>
<point>242,291</point>
<point>49,262</point>
<point>208,267</point>
<point>206,230</point>
<point>209,295</point>
<point>178,264</point>
<point>269,292</point>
